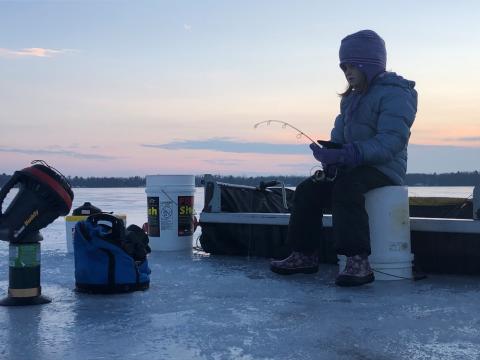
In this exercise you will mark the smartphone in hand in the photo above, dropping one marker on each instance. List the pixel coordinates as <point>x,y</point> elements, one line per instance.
<point>329,144</point>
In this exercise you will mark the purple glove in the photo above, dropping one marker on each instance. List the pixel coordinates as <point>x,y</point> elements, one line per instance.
<point>348,155</point>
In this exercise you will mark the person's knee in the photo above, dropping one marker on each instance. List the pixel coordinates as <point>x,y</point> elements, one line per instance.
<point>304,190</point>
<point>304,186</point>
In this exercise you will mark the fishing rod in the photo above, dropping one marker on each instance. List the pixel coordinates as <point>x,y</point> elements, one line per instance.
<point>285,124</point>
<point>318,175</point>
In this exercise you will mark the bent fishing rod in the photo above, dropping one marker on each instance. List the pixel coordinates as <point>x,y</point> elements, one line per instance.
<point>285,124</point>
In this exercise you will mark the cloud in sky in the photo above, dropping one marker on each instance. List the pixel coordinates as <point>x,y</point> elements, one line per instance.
<point>67,153</point>
<point>32,52</point>
<point>230,145</point>
<point>422,158</point>
<point>465,138</point>
<point>225,144</point>
<point>187,27</point>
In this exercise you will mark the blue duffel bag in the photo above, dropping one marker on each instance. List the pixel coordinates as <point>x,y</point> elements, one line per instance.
<point>108,257</point>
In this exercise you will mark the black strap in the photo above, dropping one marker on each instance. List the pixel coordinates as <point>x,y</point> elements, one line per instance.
<point>111,267</point>
<point>137,273</point>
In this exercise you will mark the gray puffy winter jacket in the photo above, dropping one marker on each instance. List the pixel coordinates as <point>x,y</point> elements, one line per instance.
<point>378,124</point>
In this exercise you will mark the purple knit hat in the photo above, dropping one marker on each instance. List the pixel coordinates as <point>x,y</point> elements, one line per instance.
<point>366,50</point>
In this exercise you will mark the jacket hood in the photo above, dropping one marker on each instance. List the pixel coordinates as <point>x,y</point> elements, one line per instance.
<point>392,79</point>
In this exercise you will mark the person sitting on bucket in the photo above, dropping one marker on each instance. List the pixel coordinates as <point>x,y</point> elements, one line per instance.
<point>373,127</point>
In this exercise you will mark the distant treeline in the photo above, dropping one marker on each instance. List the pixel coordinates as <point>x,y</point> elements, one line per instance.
<point>102,182</point>
<point>446,179</point>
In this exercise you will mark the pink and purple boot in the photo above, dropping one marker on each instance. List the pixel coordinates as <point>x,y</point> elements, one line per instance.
<point>357,272</point>
<point>296,263</point>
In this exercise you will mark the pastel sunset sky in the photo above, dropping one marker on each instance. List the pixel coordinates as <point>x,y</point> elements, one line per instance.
<point>121,88</point>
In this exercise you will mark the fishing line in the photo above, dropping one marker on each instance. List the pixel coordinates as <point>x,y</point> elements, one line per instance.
<point>415,276</point>
<point>458,207</point>
<point>395,276</point>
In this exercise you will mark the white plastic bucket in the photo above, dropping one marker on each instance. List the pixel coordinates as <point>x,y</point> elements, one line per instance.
<point>389,222</point>
<point>170,211</point>
<point>71,221</point>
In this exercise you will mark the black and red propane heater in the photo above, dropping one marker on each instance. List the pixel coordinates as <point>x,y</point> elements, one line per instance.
<point>43,195</point>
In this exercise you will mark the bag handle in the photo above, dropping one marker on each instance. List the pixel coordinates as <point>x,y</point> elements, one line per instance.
<point>115,223</point>
<point>7,187</point>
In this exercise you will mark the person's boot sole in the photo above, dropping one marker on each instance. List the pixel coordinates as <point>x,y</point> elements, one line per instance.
<point>305,270</point>
<point>348,280</point>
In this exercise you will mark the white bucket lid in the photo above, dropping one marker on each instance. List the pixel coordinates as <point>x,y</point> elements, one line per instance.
<point>163,180</point>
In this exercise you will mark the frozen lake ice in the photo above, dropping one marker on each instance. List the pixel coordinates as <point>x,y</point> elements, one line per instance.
<point>216,307</point>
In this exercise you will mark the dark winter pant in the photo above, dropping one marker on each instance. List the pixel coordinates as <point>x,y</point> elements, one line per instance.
<point>345,196</point>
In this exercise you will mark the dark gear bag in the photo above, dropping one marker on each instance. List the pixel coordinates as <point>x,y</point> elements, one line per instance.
<point>108,258</point>
<point>136,243</point>
<point>247,239</point>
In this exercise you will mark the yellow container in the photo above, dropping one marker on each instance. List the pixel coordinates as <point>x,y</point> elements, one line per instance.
<point>71,221</point>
